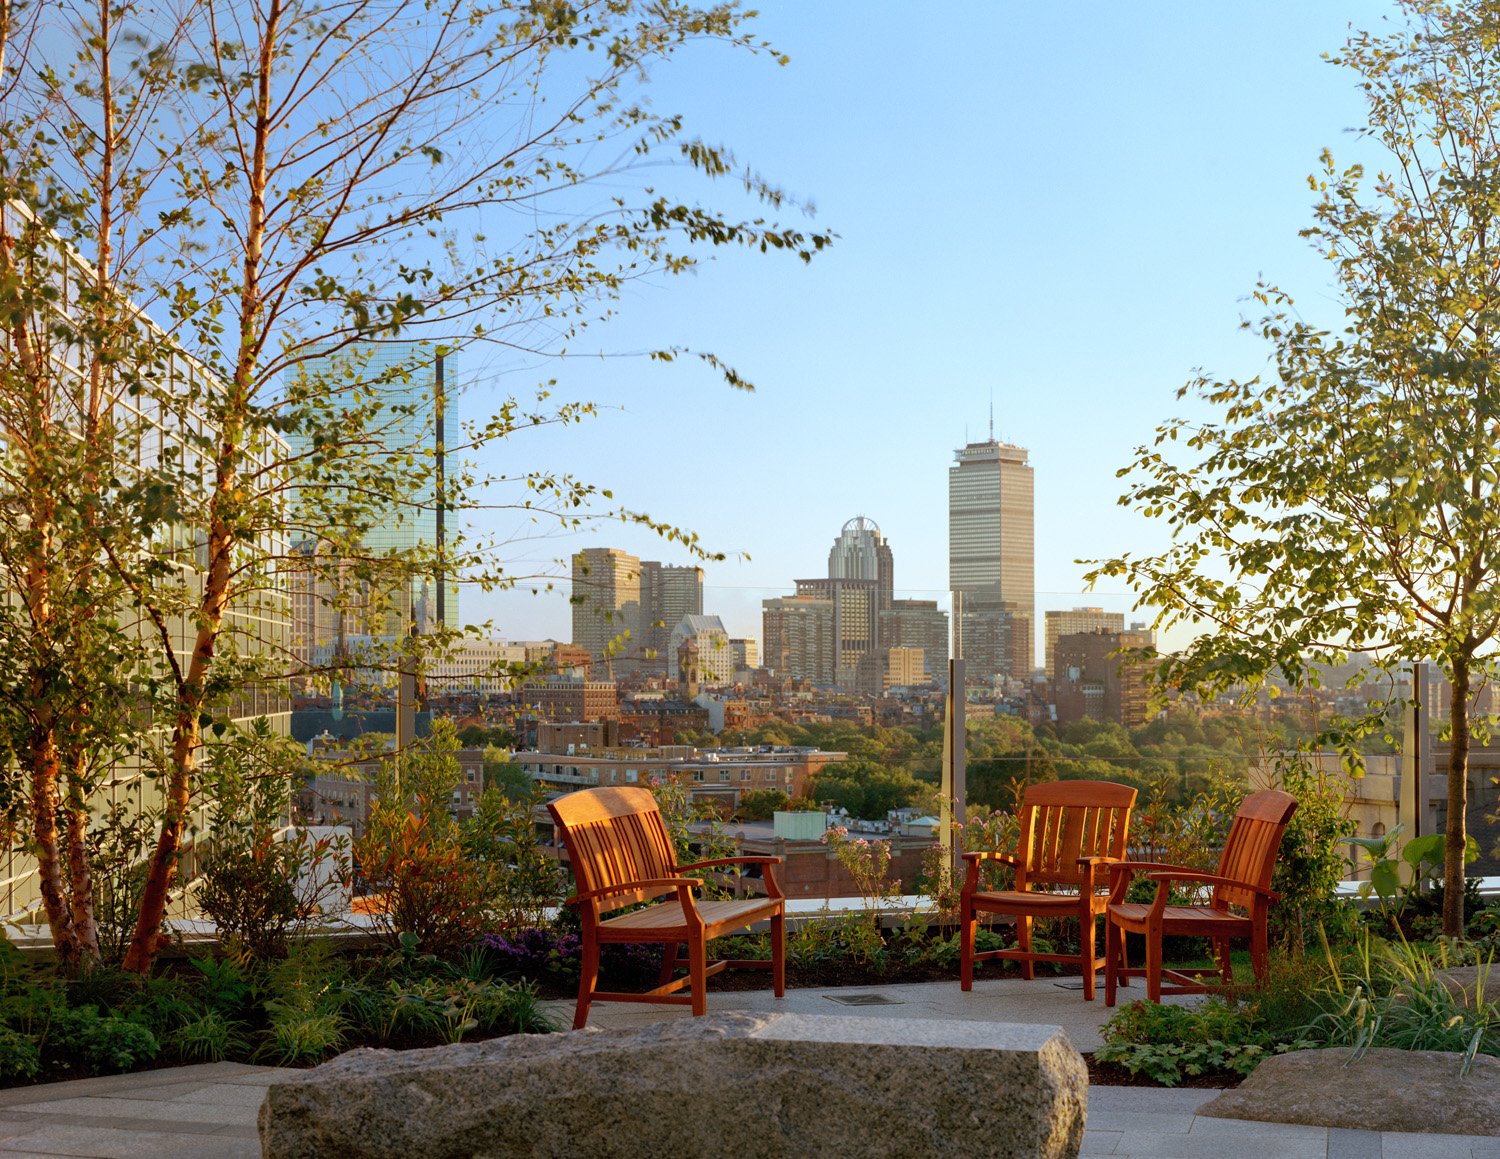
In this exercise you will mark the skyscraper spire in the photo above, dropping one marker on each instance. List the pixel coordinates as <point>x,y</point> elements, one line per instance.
<point>992,414</point>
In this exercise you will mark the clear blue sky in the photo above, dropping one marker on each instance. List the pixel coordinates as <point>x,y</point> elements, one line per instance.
<point>1062,206</point>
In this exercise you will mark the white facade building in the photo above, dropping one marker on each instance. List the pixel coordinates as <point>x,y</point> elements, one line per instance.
<point>715,656</point>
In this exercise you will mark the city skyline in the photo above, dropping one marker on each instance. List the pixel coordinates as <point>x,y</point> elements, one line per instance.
<point>1105,194</point>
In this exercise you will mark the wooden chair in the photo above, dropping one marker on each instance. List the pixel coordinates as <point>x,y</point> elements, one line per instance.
<point>1070,831</point>
<point>1236,908</point>
<point>621,855</point>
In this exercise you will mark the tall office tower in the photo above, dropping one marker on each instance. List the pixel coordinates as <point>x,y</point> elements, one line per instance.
<point>861,553</point>
<point>797,632</point>
<point>990,538</point>
<point>401,380</point>
<point>607,607</point>
<point>856,630</point>
<point>1077,620</point>
<point>917,624</point>
<point>667,595</point>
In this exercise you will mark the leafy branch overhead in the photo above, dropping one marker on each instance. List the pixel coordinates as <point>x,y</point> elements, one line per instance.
<point>224,213</point>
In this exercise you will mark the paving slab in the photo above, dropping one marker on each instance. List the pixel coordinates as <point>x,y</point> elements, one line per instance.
<point>1047,1001</point>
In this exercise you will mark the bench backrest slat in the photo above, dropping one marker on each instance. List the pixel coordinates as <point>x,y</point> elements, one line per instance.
<point>615,835</point>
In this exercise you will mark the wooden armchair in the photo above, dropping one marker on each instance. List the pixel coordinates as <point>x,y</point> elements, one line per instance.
<point>1237,907</point>
<point>621,855</point>
<point>1071,831</point>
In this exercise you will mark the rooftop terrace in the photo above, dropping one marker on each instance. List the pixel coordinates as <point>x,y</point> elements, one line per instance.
<point>211,1109</point>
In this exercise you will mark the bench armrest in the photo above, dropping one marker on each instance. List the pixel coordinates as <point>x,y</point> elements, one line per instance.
<point>731,861</point>
<point>773,887</point>
<point>632,886</point>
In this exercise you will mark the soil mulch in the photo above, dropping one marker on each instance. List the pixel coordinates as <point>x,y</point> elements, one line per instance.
<point>1109,1074</point>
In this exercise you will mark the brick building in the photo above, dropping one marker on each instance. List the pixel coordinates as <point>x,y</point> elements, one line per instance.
<point>571,698</point>
<point>1090,678</point>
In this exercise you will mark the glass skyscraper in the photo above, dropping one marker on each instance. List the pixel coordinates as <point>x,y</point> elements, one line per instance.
<point>400,381</point>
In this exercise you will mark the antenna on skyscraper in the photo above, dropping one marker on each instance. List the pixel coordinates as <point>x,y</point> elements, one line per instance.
<point>992,414</point>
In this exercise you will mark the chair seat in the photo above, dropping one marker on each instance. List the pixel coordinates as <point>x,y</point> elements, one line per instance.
<point>1181,919</point>
<point>665,920</point>
<point>1034,901</point>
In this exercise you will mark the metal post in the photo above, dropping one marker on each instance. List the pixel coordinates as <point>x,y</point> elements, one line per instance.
<point>957,687</point>
<point>1412,807</point>
<point>440,450</point>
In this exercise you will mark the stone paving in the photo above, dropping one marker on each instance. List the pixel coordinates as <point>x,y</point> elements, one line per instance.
<point>210,1110</point>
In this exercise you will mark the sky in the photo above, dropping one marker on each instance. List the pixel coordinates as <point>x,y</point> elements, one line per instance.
<point>1057,209</point>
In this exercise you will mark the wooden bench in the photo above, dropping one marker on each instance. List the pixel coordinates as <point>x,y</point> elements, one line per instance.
<point>621,855</point>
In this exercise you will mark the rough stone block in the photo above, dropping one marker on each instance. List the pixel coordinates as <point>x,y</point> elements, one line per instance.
<point>1383,1090</point>
<point>738,1084</point>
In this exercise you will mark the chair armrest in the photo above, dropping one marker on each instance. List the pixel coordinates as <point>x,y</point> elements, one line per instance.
<point>631,886</point>
<point>1197,878</point>
<point>971,876</point>
<point>1118,867</point>
<point>1120,873</point>
<point>1008,858</point>
<point>731,861</point>
<point>1091,866</point>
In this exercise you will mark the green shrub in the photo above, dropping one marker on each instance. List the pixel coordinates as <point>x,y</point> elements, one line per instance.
<point>1394,995</point>
<point>524,881</point>
<point>208,1038</point>
<point>298,1036</point>
<point>411,851</point>
<point>101,1045</point>
<point>1167,1043</point>
<point>19,1056</point>
<point>256,886</point>
<point>223,986</point>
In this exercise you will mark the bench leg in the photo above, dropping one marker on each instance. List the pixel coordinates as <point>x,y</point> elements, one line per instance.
<point>1023,943</point>
<point>698,969</point>
<point>588,978</point>
<point>966,931</point>
<point>668,962</point>
<point>778,953</point>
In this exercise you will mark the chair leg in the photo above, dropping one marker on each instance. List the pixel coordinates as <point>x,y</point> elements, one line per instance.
<point>1023,943</point>
<point>1086,945</point>
<point>698,969</point>
<point>588,978</point>
<point>1114,958</point>
<point>966,925</point>
<point>778,953</point>
<point>1153,965</point>
<point>668,962</point>
<point>1260,952</point>
<point>1221,952</point>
